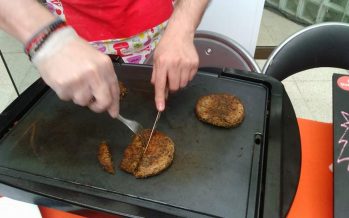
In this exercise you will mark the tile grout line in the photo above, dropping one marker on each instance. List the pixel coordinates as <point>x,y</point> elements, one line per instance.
<point>9,74</point>
<point>305,102</point>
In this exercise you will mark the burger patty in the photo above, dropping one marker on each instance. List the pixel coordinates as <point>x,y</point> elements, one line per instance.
<point>123,89</point>
<point>105,158</point>
<point>158,156</point>
<point>224,110</point>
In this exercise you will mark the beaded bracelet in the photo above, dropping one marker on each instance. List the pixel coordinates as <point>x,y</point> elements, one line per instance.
<point>38,39</point>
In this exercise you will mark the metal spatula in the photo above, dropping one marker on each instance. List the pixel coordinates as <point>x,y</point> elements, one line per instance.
<point>132,124</point>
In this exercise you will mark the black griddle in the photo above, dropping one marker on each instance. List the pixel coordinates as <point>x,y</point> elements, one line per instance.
<point>48,150</point>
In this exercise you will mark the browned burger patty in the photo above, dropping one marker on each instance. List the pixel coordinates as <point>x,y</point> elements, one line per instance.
<point>105,158</point>
<point>224,110</point>
<point>157,158</point>
<point>123,89</point>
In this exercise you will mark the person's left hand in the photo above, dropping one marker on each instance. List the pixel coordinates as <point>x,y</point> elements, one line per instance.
<point>175,64</point>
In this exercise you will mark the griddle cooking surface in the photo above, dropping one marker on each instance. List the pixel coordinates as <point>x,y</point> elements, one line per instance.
<point>212,166</point>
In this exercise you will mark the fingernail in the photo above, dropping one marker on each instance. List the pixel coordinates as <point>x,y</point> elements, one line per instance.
<point>113,113</point>
<point>161,106</point>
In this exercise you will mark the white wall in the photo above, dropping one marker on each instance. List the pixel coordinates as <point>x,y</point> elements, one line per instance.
<point>236,19</point>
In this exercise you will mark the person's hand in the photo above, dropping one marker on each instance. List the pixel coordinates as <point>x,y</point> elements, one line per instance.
<point>175,64</point>
<point>84,75</point>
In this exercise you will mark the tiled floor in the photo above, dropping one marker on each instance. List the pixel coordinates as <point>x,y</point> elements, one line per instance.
<point>22,71</point>
<point>310,91</point>
<point>7,91</point>
<point>275,28</point>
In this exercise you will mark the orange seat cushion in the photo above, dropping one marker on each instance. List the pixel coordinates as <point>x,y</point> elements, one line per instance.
<point>314,197</point>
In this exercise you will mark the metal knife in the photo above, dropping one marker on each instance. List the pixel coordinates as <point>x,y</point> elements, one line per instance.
<point>152,131</point>
<point>151,134</point>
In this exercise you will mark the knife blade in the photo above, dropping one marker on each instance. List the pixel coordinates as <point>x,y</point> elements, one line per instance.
<point>152,131</point>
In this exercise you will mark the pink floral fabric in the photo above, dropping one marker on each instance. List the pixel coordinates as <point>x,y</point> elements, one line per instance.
<point>55,7</point>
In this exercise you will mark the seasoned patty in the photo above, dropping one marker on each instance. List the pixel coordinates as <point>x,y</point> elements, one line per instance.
<point>123,89</point>
<point>157,158</point>
<point>105,158</point>
<point>224,110</point>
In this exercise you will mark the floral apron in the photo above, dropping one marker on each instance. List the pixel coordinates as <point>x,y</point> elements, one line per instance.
<point>134,49</point>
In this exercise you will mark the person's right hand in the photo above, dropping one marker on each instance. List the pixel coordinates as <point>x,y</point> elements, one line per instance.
<point>80,73</point>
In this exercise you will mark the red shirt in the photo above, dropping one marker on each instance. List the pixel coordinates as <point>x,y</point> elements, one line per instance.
<point>112,19</point>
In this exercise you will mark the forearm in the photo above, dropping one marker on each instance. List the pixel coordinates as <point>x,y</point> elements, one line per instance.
<point>186,16</point>
<point>23,18</point>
